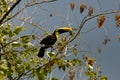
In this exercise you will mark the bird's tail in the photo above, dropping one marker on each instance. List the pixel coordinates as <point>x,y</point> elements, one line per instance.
<point>41,52</point>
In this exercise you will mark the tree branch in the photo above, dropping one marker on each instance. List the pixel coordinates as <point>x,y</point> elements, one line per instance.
<point>104,13</point>
<point>28,5</point>
<point>7,13</point>
<point>86,18</point>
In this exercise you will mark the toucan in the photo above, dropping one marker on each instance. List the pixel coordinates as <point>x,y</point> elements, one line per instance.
<point>50,40</point>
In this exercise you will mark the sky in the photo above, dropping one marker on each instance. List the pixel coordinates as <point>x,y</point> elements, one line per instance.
<point>91,40</point>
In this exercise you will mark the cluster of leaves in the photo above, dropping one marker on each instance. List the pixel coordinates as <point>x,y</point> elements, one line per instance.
<point>15,51</point>
<point>55,63</point>
<point>70,65</point>
<point>3,7</point>
<point>82,8</point>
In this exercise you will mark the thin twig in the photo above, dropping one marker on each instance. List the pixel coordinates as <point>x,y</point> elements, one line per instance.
<point>80,27</point>
<point>37,3</point>
<point>19,77</point>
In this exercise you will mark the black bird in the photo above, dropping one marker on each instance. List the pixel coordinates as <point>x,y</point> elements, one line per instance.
<point>50,40</point>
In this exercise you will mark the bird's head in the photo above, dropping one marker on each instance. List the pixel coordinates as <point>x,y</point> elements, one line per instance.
<point>63,30</point>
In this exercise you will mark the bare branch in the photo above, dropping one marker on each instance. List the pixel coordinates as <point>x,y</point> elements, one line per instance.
<point>80,27</point>
<point>104,13</point>
<point>36,3</point>
<point>86,18</point>
<point>28,5</point>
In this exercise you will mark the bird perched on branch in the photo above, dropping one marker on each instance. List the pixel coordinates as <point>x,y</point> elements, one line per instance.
<point>50,40</point>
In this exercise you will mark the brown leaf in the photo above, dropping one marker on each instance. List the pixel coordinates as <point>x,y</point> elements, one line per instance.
<point>99,50</point>
<point>90,61</point>
<point>90,12</point>
<point>82,7</point>
<point>106,40</point>
<point>118,23</point>
<point>119,37</point>
<point>100,21</point>
<point>63,38</point>
<point>117,17</point>
<point>117,20</point>
<point>72,6</point>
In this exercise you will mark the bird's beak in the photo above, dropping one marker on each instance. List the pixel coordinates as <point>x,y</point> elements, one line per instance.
<point>64,29</point>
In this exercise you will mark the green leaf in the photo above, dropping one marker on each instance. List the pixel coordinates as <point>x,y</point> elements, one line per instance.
<point>4,32</point>
<point>20,68</point>
<point>90,74</point>
<point>0,12</point>
<point>71,34</point>
<point>63,67</point>
<point>25,39</point>
<point>51,55</point>
<point>74,50</point>
<point>54,78</point>
<point>33,36</point>
<point>103,77</point>
<point>77,61</point>
<point>27,65</point>
<point>41,74</point>
<point>17,29</point>
<point>4,66</point>
<point>15,44</point>
<point>8,26</point>
<point>24,55</point>
<point>11,34</point>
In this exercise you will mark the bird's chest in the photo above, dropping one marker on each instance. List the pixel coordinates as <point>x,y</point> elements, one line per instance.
<point>49,40</point>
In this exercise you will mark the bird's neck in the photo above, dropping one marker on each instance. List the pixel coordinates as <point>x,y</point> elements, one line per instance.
<point>56,34</point>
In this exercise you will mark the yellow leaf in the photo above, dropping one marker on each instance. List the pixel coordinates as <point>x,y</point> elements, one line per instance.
<point>74,51</point>
<point>90,12</point>
<point>2,77</point>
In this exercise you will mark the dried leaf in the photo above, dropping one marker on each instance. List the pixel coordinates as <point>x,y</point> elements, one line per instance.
<point>117,17</point>
<point>90,12</point>
<point>82,7</point>
<point>100,21</point>
<point>99,50</point>
<point>118,23</point>
<point>72,6</point>
<point>63,39</point>
<point>98,69</point>
<point>117,20</point>
<point>119,37</point>
<point>51,15</point>
<point>106,40</point>
<point>90,61</point>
